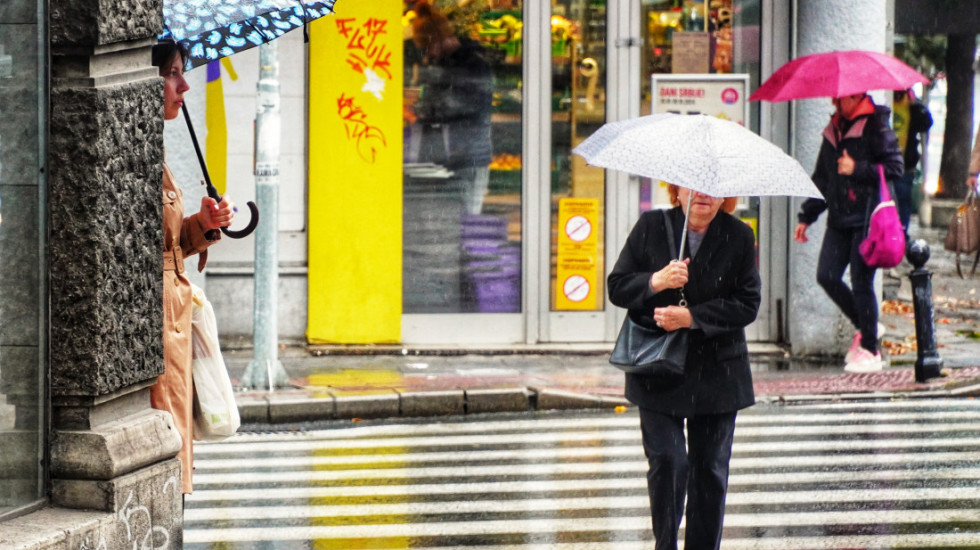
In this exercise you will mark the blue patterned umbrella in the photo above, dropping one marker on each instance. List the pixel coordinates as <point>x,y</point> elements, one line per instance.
<point>212,29</point>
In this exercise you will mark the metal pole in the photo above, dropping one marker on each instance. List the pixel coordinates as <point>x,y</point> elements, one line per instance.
<point>928,364</point>
<point>265,371</point>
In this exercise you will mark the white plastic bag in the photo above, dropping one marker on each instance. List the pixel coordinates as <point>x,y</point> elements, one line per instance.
<point>215,412</point>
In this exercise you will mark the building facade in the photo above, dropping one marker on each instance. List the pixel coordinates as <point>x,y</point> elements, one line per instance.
<point>394,255</point>
<point>397,250</point>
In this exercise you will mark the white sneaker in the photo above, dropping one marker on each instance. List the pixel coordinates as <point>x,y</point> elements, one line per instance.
<point>855,344</point>
<point>863,361</point>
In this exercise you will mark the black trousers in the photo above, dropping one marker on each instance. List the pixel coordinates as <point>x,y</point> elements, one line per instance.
<point>699,471</point>
<point>858,302</point>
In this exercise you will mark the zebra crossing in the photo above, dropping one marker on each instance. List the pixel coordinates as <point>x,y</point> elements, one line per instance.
<point>894,474</point>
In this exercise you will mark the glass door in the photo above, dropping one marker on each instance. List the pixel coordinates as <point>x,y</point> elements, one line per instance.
<point>576,207</point>
<point>463,172</point>
<point>699,43</point>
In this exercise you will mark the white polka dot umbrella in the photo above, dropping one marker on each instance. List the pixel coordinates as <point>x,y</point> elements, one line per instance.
<point>714,156</point>
<point>707,154</point>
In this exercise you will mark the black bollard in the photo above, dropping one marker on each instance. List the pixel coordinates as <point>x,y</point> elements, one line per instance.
<point>928,364</point>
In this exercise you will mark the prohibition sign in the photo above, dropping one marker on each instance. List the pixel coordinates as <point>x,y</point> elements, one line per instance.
<point>576,288</point>
<point>578,228</point>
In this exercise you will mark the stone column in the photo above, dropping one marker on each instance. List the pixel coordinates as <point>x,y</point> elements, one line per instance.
<point>824,26</point>
<point>109,450</point>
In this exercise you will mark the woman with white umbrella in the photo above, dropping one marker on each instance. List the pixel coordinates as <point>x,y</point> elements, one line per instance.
<point>721,284</point>
<point>718,281</point>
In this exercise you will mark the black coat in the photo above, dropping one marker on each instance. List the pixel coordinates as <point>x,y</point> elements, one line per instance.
<point>723,294</point>
<point>920,120</point>
<point>458,92</point>
<point>849,200</point>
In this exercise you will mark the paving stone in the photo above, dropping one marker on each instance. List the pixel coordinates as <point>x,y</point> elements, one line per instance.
<point>497,400</point>
<point>382,404</point>
<point>301,408</point>
<point>433,403</point>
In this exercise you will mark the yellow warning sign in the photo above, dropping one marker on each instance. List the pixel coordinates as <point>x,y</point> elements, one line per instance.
<point>577,249</point>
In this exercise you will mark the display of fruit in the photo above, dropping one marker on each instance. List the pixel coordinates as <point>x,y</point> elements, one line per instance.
<point>505,161</point>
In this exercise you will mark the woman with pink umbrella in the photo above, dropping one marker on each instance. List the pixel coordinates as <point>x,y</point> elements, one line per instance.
<point>856,141</point>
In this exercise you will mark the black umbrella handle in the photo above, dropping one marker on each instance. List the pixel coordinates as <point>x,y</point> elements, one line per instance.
<point>213,191</point>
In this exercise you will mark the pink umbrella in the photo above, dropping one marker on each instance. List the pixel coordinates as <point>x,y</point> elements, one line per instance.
<point>837,74</point>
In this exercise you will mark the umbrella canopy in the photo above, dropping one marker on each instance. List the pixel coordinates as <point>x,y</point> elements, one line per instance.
<point>707,154</point>
<point>837,74</point>
<point>212,29</point>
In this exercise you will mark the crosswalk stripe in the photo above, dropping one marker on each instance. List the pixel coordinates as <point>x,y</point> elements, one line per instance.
<point>254,442</point>
<point>403,509</point>
<point>403,443</point>
<point>335,460</point>
<point>530,487</point>
<point>938,540</point>
<point>240,478</point>
<point>491,527</point>
<point>817,476</point>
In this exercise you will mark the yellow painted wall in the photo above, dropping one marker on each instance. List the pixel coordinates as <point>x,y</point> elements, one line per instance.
<point>355,174</point>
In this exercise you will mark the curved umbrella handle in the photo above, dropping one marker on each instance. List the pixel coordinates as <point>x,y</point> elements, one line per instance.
<point>236,233</point>
<point>252,223</point>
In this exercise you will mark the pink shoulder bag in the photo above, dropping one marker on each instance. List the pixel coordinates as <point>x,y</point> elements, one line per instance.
<point>885,244</point>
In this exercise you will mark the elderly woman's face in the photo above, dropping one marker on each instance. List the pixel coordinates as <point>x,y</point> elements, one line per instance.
<point>703,207</point>
<point>174,86</point>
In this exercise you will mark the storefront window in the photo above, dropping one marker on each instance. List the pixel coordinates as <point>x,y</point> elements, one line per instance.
<point>21,188</point>
<point>692,38</point>
<point>462,173</point>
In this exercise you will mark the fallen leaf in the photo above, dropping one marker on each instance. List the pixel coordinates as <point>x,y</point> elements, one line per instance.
<point>895,307</point>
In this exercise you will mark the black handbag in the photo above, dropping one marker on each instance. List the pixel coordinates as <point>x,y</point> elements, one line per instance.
<point>652,352</point>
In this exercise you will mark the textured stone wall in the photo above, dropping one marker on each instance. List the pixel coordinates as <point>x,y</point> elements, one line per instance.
<point>100,22</point>
<point>105,237</point>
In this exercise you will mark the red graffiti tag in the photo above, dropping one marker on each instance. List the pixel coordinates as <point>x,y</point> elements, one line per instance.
<point>367,139</point>
<point>365,47</point>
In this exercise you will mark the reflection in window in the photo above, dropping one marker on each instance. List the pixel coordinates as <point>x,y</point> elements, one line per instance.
<point>20,339</point>
<point>462,173</point>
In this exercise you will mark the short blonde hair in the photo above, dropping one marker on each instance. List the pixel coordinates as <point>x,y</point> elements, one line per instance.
<point>728,206</point>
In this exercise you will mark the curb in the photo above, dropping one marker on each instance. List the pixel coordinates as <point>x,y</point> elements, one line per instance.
<point>299,406</point>
<point>972,390</point>
<point>285,408</point>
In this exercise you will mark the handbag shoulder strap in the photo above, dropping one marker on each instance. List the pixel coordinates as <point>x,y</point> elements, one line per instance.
<point>669,228</point>
<point>884,195</point>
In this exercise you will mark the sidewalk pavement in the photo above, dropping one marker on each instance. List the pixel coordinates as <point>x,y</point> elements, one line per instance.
<point>351,383</point>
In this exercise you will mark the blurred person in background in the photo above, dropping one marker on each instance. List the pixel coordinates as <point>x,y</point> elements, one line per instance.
<point>455,104</point>
<point>910,119</point>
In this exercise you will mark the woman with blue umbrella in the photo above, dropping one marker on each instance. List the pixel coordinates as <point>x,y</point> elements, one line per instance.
<point>182,237</point>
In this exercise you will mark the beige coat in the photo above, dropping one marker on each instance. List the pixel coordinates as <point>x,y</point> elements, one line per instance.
<point>174,390</point>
